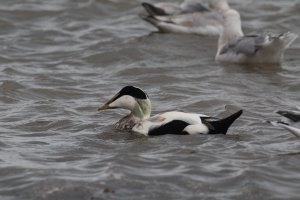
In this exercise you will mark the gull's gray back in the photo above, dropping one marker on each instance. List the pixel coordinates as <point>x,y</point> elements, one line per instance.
<point>248,45</point>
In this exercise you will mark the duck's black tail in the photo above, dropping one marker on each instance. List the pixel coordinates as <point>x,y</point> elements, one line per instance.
<point>221,126</point>
<point>153,11</point>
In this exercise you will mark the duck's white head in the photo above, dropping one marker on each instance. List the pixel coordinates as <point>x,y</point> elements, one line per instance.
<point>131,98</point>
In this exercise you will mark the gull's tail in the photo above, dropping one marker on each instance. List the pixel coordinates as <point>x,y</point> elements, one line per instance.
<point>286,39</point>
<point>292,115</point>
<point>153,11</point>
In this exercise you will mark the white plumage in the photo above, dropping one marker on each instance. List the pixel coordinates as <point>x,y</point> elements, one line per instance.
<point>191,17</point>
<point>295,131</point>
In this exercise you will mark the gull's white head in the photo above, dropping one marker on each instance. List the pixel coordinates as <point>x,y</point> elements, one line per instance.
<point>219,5</point>
<point>232,23</point>
<point>232,28</point>
<point>231,16</point>
<point>130,98</point>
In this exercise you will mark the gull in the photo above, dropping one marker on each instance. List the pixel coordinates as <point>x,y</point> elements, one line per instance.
<point>190,17</point>
<point>235,47</point>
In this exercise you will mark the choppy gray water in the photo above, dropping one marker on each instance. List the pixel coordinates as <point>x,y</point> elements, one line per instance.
<point>60,59</point>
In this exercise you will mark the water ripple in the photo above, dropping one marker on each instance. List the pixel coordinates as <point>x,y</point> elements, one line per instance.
<point>60,59</point>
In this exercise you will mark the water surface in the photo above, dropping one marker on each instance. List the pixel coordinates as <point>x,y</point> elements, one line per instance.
<point>60,59</point>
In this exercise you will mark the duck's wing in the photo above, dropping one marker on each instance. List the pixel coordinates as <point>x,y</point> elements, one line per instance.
<point>250,44</point>
<point>189,123</point>
<point>293,130</point>
<point>168,123</point>
<point>292,115</point>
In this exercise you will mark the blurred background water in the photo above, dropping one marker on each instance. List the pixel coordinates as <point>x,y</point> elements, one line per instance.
<point>59,59</point>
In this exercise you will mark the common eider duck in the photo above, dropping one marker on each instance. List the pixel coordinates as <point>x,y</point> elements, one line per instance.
<point>137,101</point>
<point>235,47</point>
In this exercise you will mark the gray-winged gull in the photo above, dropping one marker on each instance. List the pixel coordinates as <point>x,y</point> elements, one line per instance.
<point>235,47</point>
<point>191,16</point>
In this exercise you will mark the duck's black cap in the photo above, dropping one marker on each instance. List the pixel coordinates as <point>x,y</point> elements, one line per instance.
<point>133,91</point>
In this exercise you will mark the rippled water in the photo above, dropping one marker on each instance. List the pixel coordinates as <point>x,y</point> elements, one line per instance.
<point>60,59</point>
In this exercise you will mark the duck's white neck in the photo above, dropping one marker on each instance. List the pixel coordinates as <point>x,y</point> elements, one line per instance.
<point>142,109</point>
<point>232,28</point>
